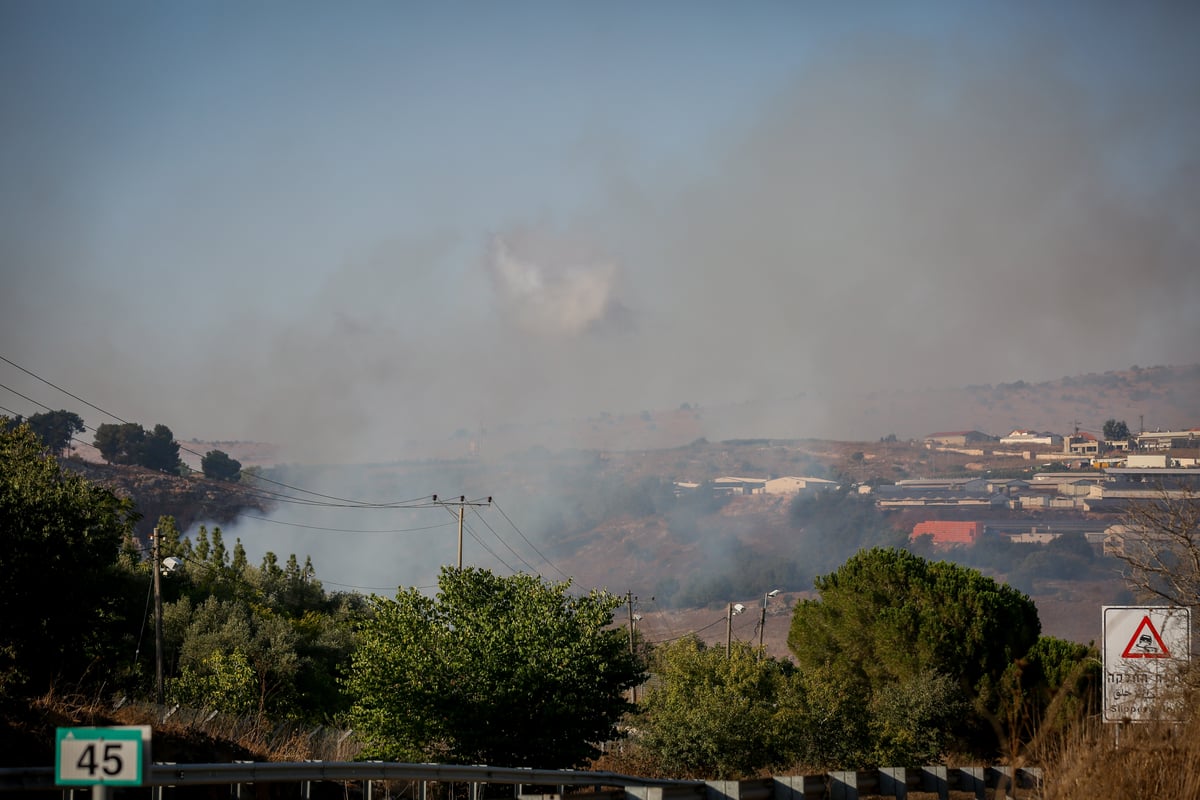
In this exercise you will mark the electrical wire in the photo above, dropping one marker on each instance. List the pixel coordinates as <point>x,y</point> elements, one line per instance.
<point>531,544</point>
<point>346,530</point>
<point>64,391</point>
<point>375,588</point>
<point>717,621</point>
<point>471,533</point>
<point>520,558</point>
<point>414,503</point>
<point>324,501</point>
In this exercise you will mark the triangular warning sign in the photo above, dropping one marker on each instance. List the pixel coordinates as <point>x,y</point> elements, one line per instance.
<point>1146,643</point>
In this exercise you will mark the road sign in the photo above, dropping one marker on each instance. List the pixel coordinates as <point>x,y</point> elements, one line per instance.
<point>1145,650</point>
<point>116,756</point>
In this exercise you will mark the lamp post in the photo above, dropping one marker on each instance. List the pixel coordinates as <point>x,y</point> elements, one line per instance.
<point>734,608</point>
<point>762,623</point>
<point>158,620</point>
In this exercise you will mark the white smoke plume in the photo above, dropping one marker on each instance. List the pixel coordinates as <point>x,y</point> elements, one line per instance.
<point>547,286</point>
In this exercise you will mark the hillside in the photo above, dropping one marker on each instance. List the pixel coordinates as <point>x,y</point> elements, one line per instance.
<point>190,500</point>
<point>607,515</point>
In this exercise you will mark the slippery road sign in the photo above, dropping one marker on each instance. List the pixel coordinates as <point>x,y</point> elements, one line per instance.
<point>1145,648</point>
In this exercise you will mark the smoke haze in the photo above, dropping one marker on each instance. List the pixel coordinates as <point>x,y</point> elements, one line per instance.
<point>347,244</point>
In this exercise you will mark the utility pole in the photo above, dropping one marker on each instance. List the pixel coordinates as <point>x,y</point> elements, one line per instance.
<point>158,619</point>
<point>762,623</point>
<point>629,598</point>
<point>633,618</point>
<point>734,608</point>
<point>462,504</point>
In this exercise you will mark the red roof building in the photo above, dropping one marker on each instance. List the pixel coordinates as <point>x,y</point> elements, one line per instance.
<point>948,533</point>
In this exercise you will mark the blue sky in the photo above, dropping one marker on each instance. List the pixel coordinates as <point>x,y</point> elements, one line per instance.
<point>385,220</point>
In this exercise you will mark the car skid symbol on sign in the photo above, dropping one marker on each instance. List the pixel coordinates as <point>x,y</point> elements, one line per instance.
<point>1146,642</point>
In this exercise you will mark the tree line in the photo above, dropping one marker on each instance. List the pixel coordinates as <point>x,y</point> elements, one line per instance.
<point>128,444</point>
<point>899,659</point>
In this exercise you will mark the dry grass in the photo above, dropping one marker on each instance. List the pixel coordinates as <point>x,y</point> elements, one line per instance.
<point>1150,760</point>
<point>180,735</point>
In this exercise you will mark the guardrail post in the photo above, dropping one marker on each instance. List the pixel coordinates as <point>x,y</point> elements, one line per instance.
<point>843,785</point>
<point>722,790</point>
<point>1003,777</point>
<point>973,779</point>
<point>936,779</point>
<point>1029,778</point>
<point>894,781</point>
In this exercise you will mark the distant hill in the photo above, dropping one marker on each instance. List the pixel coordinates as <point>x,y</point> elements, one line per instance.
<point>190,500</point>
<point>1160,397</point>
<point>594,493</point>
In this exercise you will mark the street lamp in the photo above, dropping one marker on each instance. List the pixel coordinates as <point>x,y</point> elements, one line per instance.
<point>734,608</point>
<point>762,623</point>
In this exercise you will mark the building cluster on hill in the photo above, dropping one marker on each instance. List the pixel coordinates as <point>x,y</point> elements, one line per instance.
<point>1094,495</point>
<point>1046,446</point>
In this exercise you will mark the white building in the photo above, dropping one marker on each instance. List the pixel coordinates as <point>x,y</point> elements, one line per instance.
<point>797,485</point>
<point>1032,439</point>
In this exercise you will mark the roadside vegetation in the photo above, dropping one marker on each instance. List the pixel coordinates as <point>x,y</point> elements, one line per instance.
<point>899,659</point>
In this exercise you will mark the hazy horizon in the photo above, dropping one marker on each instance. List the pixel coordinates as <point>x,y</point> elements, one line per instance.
<point>358,226</point>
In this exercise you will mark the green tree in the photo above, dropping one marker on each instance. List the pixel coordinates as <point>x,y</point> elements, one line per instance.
<point>887,617</point>
<point>909,722</point>
<point>262,640</point>
<point>218,466</point>
<point>60,540</point>
<point>1115,430</point>
<point>1053,686</point>
<point>120,444</point>
<point>129,443</point>
<point>708,716</point>
<point>267,633</point>
<point>509,671</point>
<point>220,682</point>
<point>56,429</point>
<point>160,451</point>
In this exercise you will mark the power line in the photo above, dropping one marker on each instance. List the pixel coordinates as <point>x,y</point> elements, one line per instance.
<point>325,501</point>
<point>349,502</point>
<point>531,544</point>
<point>467,528</point>
<point>506,544</point>
<point>717,621</point>
<point>346,530</point>
<point>64,391</point>
<point>373,588</point>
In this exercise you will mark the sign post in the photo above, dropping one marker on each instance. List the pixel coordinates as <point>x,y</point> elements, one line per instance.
<point>1145,650</point>
<point>102,757</point>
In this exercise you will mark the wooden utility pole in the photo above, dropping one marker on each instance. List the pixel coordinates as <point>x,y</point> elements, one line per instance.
<point>159,696</point>
<point>462,504</point>
<point>733,609</point>
<point>629,598</point>
<point>629,601</point>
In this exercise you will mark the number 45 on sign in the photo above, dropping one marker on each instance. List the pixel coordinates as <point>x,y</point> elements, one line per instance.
<point>115,756</point>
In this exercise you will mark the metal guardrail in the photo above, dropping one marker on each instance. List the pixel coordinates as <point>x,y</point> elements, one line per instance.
<point>42,778</point>
<point>847,785</point>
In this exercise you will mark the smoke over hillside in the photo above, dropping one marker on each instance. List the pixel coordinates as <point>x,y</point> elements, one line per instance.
<point>355,235</point>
